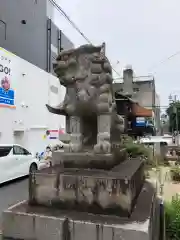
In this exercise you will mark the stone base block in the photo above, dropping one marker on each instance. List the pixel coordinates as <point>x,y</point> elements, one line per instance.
<point>40,223</point>
<point>89,159</point>
<point>95,191</point>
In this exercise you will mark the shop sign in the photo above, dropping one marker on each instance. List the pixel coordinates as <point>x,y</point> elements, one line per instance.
<point>54,134</point>
<point>140,122</point>
<point>6,90</point>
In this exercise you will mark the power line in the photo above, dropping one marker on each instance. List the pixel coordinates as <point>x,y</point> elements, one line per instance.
<point>64,14</point>
<point>166,59</point>
<point>54,3</point>
<point>69,20</point>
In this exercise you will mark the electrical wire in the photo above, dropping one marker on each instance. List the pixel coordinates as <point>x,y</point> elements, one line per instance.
<point>88,40</point>
<point>69,20</point>
<point>64,14</point>
<point>155,106</point>
<point>165,60</point>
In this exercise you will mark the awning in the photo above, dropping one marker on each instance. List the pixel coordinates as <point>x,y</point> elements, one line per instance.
<point>140,111</point>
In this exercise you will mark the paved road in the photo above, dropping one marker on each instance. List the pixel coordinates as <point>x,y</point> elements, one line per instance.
<point>12,193</point>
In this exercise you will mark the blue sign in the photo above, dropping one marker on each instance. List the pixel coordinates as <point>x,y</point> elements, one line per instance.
<point>7,101</point>
<point>6,93</point>
<point>140,123</point>
<point>9,94</point>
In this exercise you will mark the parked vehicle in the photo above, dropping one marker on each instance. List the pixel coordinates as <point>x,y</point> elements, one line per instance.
<point>156,139</point>
<point>16,162</point>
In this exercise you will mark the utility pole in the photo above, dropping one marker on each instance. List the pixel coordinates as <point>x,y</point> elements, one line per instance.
<point>173,99</point>
<point>176,111</point>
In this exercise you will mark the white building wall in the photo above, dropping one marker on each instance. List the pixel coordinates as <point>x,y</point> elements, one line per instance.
<point>28,121</point>
<point>145,99</point>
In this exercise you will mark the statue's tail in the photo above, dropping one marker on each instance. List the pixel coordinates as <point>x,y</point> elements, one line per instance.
<point>56,110</point>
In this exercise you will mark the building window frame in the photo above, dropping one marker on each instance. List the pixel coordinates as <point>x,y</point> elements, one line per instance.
<point>48,45</point>
<point>5,28</point>
<point>136,89</point>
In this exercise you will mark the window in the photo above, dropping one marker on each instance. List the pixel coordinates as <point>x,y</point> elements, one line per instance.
<point>49,45</point>
<point>5,150</point>
<point>3,29</point>
<point>135,89</point>
<point>17,150</point>
<point>129,109</point>
<point>26,152</point>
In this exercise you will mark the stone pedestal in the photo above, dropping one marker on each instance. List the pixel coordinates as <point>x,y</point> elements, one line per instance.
<point>26,222</point>
<point>111,192</point>
<point>89,160</point>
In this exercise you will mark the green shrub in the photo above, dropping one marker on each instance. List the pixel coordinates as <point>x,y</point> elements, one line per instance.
<point>135,149</point>
<point>175,173</point>
<point>172,218</point>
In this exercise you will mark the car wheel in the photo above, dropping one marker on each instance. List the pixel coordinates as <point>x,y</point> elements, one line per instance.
<point>33,168</point>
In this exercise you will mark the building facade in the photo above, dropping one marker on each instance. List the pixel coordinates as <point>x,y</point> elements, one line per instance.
<point>29,43</point>
<point>27,29</point>
<point>158,114</point>
<point>141,90</point>
<point>24,91</point>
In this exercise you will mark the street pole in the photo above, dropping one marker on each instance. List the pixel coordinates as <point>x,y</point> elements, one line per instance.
<point>177,124</point>
<point>171,101</point>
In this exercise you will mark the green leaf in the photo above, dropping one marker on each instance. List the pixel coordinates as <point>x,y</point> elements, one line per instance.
<point>172,111</point>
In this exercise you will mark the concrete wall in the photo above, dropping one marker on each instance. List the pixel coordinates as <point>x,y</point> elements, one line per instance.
<point>142,89</point>
<point>26,40</point>
<point>30,40</point>
<point>27,123</point>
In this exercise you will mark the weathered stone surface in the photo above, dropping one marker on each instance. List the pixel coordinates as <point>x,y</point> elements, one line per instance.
<point>89,103</point>
<point>40,223</point>
<point>89,160</point>
<point>112,192</point>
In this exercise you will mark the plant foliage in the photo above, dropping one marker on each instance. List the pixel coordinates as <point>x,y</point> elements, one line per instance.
<point>173,109</point>
<point>135,149</point>
<point>172,218</point>
<point>175,173</point>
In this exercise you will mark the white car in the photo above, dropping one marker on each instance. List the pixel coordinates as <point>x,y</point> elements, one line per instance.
<point>16,162</point>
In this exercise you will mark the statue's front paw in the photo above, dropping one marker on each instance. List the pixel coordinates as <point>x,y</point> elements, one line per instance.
<point>102,147</point>
<point>75,147</point>
<point>72,147</point>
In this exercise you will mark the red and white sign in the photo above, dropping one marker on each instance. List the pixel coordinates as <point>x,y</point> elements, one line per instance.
<point>54,134</point>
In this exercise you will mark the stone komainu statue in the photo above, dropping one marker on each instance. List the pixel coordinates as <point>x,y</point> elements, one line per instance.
<point>89,107</point>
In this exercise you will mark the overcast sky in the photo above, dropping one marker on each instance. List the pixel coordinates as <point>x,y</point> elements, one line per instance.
<point>138,32</point>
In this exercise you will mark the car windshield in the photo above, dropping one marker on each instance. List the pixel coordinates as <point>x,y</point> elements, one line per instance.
<point>5,150</point>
